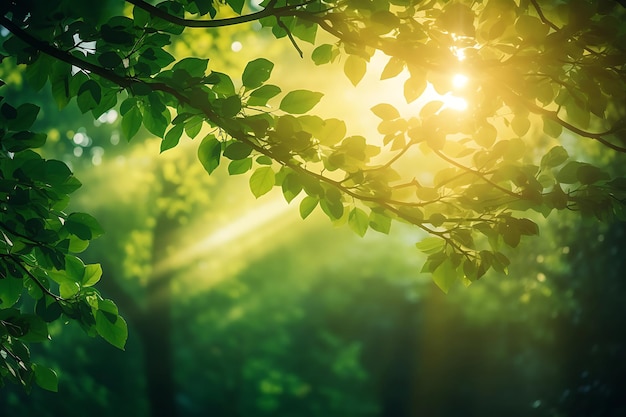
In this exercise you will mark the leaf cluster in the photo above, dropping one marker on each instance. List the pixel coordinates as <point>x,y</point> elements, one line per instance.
<point>557,66</point>
<point>41,278</point>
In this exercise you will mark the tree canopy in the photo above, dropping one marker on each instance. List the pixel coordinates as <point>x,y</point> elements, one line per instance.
<point>516,99</point>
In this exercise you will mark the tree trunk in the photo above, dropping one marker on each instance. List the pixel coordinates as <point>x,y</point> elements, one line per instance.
<point>156,324</point>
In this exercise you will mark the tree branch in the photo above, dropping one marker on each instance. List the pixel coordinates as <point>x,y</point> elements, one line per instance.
<point>270,10</point>
<point>478,174</point>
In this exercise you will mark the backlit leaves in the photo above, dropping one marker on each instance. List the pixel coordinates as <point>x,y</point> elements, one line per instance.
<point>414,87</point>
<point>299,101</point>
<point>385,111</point>
<point>257,72</point>
<point>209,153</point>
<point>458,175</point>
<point>355,68</point>
<point>555,157</point>
<point>262,181</point>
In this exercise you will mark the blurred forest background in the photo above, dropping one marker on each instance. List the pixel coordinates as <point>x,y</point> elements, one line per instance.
<point>238,308</point>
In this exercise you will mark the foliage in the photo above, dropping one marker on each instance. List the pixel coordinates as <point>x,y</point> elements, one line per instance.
<point>555,65</point>
<point>38,253</point>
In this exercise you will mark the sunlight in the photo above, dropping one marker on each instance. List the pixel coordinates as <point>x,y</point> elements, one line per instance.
<point>459,81</point>
<point>390,90</point>
<point>232,246</point>
<point>453,102</point>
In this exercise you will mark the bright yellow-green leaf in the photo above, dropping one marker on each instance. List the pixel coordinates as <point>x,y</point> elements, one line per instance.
<point>358,221</point>
<point>355,68</point>
<point>262,181</point>
<point>385,111</point>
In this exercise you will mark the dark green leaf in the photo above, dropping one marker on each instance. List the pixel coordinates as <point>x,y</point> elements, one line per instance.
<point>236,5</point>
<point>131,122</point>
<point>240,166</point>
<point>555,157</point>
<point>172,137</point>
<point>209,153</point>
<point>46,378</point>
<point>115,332</point>
<point>256,73</point>
<point>196,67</point>
<point>260,96</point>
<point>10,291</point>
<point>84,226</point>
<point>237,150</point>
<point>109,59</point>
<point>323,54</point>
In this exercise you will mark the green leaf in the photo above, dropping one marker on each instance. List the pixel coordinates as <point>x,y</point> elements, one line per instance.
<point>196,67</point>
<point>92,275</point>
<point>74,269</point>
<point>555,157</point>
<point>261,95</point>
<point>23,140</point>
<point>445,276</point>
<point>36,330</point>
<point>45,377</point>
<point>589,174</point>
<point>569,173</point>
<point>84,226</point>
<point>10,291</point>
<point>299,101</point>
<point>25,116</point>
<point>332,132</point>
<point>332,205</point>
<point>355,68</point>
<point>230,106</point>
<point>305,30</point>
<point>531,27</point>
<point>109,59</point>
<point>579,116</point>
<point>237,150</point>
<point>131,122</point>
<point>115,332</point>
<point>385,111</point>
<point>223,84</point>
<point>527,227</point>
<point>430,245</point>
<point>380,222</point>
<point>172,137</point>
<point>236,5</point>
<point>323,54</point>
<point>240,166</point>
<point>89,96</point>
<point>262,181</point>
<point>257,72</point>
<point>291,187</point>
<point>358,221</point>
<point>48,309</point>
<point>209,153</point>
<point>307,205</point>
<point>154,118</point>
<point>193,126</point>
